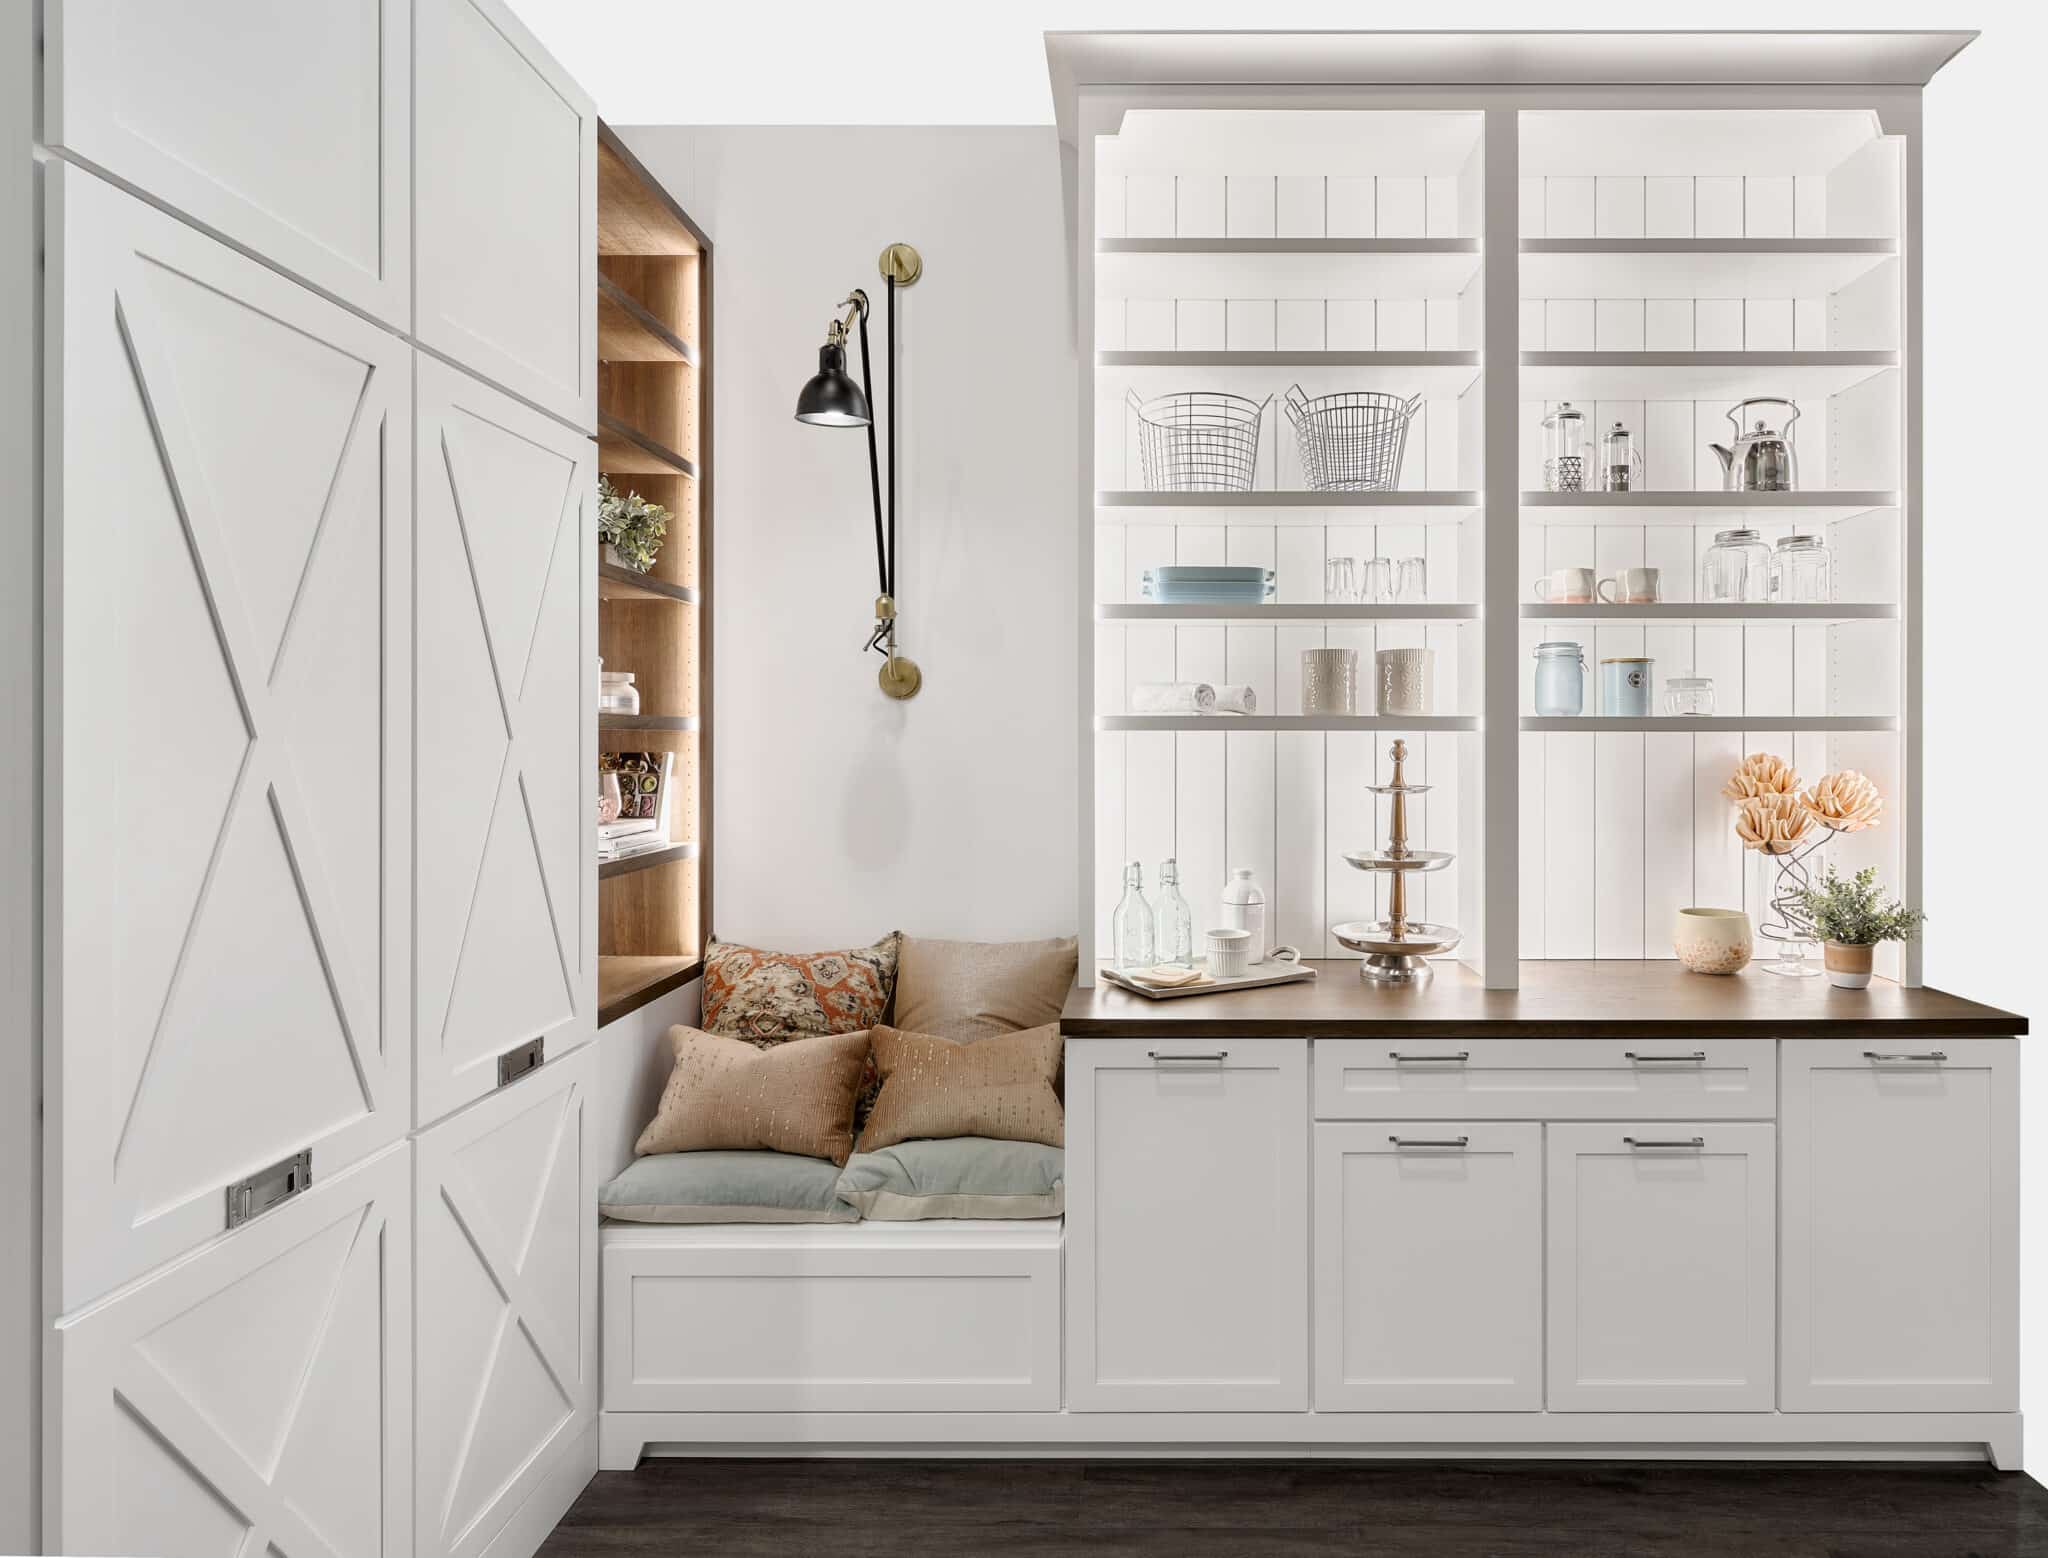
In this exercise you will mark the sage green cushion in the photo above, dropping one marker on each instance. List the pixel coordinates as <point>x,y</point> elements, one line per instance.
<point>726,1187</point>
<point>961,1176</point>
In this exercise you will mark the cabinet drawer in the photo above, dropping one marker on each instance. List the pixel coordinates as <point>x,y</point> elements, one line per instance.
<point>1535,1079</point>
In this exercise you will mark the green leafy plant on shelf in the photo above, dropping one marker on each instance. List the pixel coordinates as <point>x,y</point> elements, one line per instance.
<point>631,526</point>
<point>1854,912</point>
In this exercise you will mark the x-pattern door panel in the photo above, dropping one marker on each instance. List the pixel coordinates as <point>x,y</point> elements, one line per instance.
<point>505,875</point>
<point>508,1303</point>
<point>256,1400</point>
<point>229,502</point>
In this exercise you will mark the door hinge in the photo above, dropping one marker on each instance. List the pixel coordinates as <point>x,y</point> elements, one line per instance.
<point>516,1063</point>
<point>267,1187</point>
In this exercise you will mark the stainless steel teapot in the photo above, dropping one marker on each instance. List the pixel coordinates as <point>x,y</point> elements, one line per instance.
<point>1763,459</point>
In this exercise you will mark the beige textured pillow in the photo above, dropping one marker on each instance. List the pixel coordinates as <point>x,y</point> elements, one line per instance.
<point>725,1093</point>
<point>1000,1086</point>
<point>971,989</point>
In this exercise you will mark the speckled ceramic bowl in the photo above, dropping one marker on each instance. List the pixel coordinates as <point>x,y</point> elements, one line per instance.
<point>1713,941</point>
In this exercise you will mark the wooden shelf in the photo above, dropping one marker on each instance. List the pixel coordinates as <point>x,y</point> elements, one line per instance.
<point>623,450</point>
<point>627,332</point>
<point>1761,724</point>
<point>634,216</point>
<point>647,722</point>
<point>625,984</point>
<point>616,583</point>
<point>645,859</point>
<point>1413,724</point>
<point>1288,611</point>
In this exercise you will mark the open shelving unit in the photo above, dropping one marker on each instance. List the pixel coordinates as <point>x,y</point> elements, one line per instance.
<point>654,348</point>
<point>1652,260</point>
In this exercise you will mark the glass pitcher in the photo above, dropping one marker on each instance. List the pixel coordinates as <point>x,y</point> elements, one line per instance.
<point>1564,449</point>
<point>1736,567</point>
<point>1621,465</point>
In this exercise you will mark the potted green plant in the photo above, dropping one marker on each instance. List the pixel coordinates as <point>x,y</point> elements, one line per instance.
<point>1851,917</point>
<point>631,528</point>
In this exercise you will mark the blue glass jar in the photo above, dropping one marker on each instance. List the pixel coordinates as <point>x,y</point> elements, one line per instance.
<point>1560,679</point>
<point>1625,687</point>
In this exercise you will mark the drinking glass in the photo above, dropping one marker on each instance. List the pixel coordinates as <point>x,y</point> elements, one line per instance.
<point>1411,580</point>
<point>1376,583</point>
<point>1340,581</point>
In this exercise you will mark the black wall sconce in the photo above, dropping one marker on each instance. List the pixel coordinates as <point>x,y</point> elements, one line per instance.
<point>831,399</point>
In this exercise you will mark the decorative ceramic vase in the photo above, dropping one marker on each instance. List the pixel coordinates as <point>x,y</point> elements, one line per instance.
<point>1713,941</point>
<point>1848,967</point>
<point>1329,681</point>
<point>1404,681</point>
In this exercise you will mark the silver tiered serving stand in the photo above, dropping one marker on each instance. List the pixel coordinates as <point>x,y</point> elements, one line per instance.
<point>1397,949</point>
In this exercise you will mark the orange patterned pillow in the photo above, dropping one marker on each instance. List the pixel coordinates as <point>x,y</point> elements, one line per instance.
<point>769,997</point>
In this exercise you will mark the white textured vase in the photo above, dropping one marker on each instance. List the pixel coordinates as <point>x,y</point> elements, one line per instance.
<point>1329,681</point>
<point>1713,941</point>
<point>1404,681</point>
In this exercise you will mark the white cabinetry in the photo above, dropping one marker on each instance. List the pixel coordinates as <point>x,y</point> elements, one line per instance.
<point>286,128</point>
<point>1901,1225</point>
<point>1429,1267</point>
<point>229,493</point>
<point>505,220</point>
<point>506,875</point>
<point>256,1398</point>
<point>1662,1269</point>
<point>1188,1226</point>
<point>507,1307</point>
<point>1536,1079</point>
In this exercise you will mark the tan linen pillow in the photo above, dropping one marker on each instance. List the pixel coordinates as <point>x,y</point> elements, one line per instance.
<point>971,989</point>
<point>1000,1086</point>
<point>724,1093</point>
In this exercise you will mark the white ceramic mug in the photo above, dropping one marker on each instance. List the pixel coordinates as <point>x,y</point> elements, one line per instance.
<point>1566,586</point>
<point>1229,953</point>
<point>1404,680</point>
<point>1632,587</point>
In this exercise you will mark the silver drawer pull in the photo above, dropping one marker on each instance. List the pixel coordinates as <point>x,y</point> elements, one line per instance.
<point>1931,1057</point>
<point>1454,1143</point>
<point>1455,1058</point>
<point>1639,1143</point>
<point>1697,1057</point>
<point>1216,1058</point>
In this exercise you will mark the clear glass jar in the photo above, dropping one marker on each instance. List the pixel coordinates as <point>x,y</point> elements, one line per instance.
<point>1689,696</point>
<point>616,693</point>
<point>1619,461</point>
<point>1560,679</point>
<point>1564,449</point>
<point>1173,921</point>
<point>1736,567</point>
<point>1132,938</point>
<point>1802,571</point>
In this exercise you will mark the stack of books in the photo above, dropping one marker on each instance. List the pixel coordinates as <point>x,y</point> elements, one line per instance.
<point>643,821</point>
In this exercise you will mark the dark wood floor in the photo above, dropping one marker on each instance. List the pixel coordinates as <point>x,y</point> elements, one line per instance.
<point>1192,1509</point>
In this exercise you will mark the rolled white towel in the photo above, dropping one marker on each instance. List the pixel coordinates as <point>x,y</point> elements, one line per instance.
<point>1173,698</point>
<point>1236,698</point>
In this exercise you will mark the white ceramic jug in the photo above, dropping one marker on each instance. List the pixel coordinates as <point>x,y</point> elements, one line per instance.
<point>1244,908</point>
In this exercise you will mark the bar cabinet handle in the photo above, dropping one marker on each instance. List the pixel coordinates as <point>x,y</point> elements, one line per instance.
<point>1456,1143</point>
<point>1161,1057</point>
<point>1932,1055</point>
<point>1638,1143</point>
<point>1697,1057</point>
<point>1456,1057</point>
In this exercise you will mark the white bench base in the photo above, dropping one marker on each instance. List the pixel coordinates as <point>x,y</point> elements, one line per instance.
<point>623,1437</point>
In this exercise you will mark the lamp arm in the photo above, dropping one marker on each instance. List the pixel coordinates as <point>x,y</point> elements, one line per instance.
<point>874,460</point>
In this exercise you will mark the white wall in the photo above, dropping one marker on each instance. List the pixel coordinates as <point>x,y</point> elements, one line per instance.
<point>840,814</point>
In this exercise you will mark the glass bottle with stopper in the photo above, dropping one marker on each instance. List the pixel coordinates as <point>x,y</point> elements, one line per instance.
<point>1131,927</point>
<point>1173,920</point>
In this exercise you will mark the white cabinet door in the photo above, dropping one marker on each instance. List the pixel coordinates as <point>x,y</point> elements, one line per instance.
<point>228,515</point>
<point>1662,1269</point>
<point>505,615</point>
<point>505,219</point>
<point>507,1249</point>
<point>286,128</point>
<point>1901,1225</point>
<point>1187,1225</point>
<point>1429,1267</point>
<point>255,1399</point>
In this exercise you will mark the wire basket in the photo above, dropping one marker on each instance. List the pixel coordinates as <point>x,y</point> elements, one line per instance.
<point>1353,441</point>
<point>1198,440</point>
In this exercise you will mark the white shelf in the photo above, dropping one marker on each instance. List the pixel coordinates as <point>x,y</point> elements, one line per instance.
<point>1285,268</point>
<point>1703,611</point>
<point>1417,724</point>
<point>1435,375</point>
<point>1137,507</point>
<point>1696,375</point>
<point>1696,267</point>
<point>1819,724</point>
<point>1287,246</point>
<point>1288,611</point>
<point>1818,507</point>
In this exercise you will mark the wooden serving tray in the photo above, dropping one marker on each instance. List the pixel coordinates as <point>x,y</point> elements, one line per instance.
<point>1256,977</point>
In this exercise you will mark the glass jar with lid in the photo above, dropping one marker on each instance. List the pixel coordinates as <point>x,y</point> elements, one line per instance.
<point>1564,449</point>
<point>1560,679</point>
<point>616,693</point>
<point>1736,567</point>
<point>1802,571</point>
<point>1621,464</point>
<point>1689,696</point>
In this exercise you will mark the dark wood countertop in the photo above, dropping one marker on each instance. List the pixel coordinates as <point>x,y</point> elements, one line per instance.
<point>1557,1000</point>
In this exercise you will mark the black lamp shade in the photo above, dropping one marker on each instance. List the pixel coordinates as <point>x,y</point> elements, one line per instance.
<point>831,399</point>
